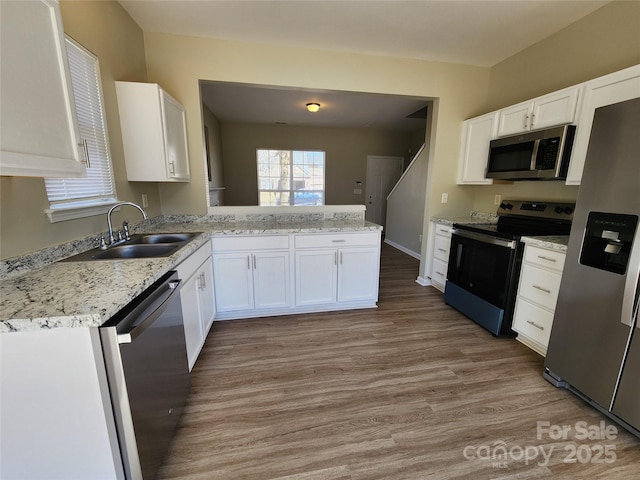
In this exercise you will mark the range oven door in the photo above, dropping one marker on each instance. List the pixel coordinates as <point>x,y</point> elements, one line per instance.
<point>481,278</point>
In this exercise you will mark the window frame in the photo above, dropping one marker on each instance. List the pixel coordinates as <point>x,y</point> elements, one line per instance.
<point>291,190</point>
<point>72,208</point>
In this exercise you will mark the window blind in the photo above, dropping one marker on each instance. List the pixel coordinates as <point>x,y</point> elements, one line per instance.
<point>97,186</point>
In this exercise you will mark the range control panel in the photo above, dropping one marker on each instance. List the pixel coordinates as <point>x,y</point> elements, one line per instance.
<point>540,209</point>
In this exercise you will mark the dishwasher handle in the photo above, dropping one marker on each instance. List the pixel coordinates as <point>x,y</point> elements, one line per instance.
<point>152,308</point>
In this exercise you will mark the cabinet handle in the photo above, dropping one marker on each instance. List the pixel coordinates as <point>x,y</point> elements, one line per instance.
<point>85,152</point>
<point>340,258</point>
<point>203,281</point>
<point>542,257</point>
<point>542,289</point>
<point>248,262</point>
<point>533,119</point>
<point>172,168</point>
<point>531,322</point>
<point>440,273</point>
<point>442,250</point>
<point>338,241</point>
<point>335,258</point>
<point>526,121</point>
<point>254,262</point>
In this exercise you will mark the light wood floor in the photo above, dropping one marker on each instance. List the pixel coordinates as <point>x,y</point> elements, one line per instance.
<point>411,390</point>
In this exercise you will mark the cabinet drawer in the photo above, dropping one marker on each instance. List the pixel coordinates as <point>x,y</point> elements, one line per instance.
<point>441,248</point>
<point>439,272</point>
<point>545,258</point>
<point>249,242</point>
<point>540,286</point>
<point>443,230</point>
<point>190,264</point>
<point>337,240</point>
<point>533,322</point>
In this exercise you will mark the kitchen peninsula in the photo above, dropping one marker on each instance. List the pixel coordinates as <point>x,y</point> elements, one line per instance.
<point>53,372</point>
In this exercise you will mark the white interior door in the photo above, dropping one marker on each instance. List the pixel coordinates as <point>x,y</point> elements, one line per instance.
<point>382,175</point>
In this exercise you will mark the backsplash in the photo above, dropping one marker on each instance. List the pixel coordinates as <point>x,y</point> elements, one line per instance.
<point>23,263</point>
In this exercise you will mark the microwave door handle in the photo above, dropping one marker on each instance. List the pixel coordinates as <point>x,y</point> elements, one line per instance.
<point>534,154</point>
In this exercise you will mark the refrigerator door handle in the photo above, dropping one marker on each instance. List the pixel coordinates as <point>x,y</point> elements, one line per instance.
<point>630,298</point>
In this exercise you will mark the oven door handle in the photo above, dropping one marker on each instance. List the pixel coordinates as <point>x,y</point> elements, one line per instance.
<point>483,237</point>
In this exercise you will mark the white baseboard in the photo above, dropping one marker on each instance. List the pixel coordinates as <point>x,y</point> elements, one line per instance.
<point>403,249</point>
<point>424,281</point>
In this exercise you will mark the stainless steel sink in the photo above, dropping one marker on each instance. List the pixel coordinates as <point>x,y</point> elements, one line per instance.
<point>150,245</point>
<point>163,238</point>
<point>137,251</point>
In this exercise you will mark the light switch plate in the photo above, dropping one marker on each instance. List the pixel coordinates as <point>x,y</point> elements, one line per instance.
<point>445,198</point>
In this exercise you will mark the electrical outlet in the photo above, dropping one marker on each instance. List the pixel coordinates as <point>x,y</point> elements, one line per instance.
<point>497,200</point>
<point>145,200</point>
<point>420,238</point>
<point>445,198</point>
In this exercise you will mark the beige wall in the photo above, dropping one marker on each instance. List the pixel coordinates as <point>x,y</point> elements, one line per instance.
<point>603,42</point>
<point>216,171</point>
<point>107,30</point>
<point>178,62</point>
<point>346,156</point>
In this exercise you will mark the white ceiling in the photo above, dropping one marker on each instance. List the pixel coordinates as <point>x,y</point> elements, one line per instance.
<point>475,32</point>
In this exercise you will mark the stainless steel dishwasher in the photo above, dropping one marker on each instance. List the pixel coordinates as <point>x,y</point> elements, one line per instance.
<point>146,360</point>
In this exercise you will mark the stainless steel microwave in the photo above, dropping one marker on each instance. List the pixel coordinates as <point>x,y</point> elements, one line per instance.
<point>539,155</point>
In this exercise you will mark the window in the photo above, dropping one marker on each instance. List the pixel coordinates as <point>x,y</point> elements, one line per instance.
<point>290,177</point>
<point>82,197</point>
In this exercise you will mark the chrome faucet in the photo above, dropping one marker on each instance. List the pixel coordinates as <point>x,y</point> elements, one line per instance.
<point>112,239</point>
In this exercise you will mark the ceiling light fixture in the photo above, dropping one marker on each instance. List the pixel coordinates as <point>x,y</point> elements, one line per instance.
<point>313,107</point>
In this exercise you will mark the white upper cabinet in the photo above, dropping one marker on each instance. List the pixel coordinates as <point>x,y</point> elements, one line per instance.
<point>154,133</point>
<point>476,134</point>
<point>549,110</point>
<point>613,88</point>
<point>38,123</point>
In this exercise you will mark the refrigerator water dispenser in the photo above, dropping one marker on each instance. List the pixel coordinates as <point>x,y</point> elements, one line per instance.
<point>607,241</point>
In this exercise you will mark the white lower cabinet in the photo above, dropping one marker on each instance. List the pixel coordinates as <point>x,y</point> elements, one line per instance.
<point>337,269</point>
<point>251,273</point>
<point>197,297</point>
<point>537,296</point>
<point>264,275</point>
<point>441,241</point>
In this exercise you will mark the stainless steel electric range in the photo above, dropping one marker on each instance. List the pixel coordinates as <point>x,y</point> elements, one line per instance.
<point>485,259</point>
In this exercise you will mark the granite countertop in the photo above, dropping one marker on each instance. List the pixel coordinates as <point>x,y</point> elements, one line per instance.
<point>474,218</point>
<point>558,242</point>
<point>48,294</point>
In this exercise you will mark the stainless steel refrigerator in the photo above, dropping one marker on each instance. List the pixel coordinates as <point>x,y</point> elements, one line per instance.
<point>594,348</point>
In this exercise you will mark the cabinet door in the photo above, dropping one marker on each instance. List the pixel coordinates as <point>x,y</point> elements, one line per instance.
<point>206,298</point>
<point>175,138</point>
<point>613,88</point>
<point>358,274</point>
<point>191,313</point>
<point>40,135</point>
<point>233,283</point>
<point>515,119</point>
<point>554,109</point>
<point>316,277</point>
<point>474,152</point>
<point>271,279</point>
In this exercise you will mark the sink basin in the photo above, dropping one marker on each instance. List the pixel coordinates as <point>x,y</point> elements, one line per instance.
<point>137,251</point>
<point>163,238</point>
<point>145,245</point>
